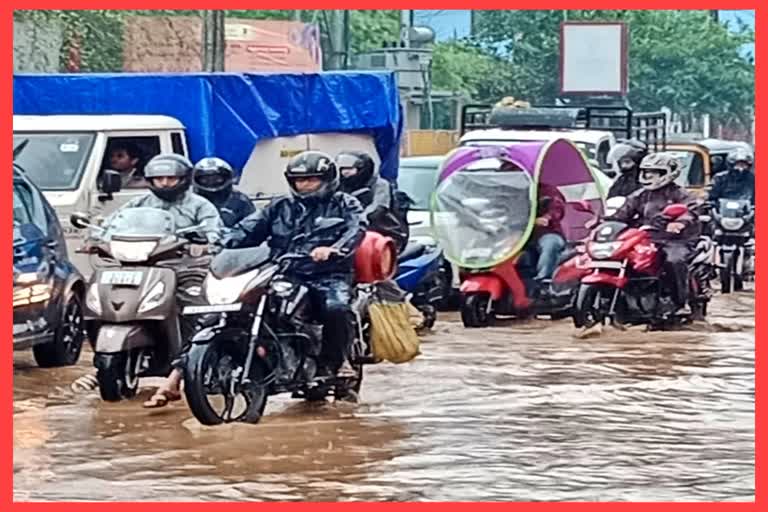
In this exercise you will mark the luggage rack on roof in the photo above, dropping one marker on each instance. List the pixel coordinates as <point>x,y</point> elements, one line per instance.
<point>650,127</point>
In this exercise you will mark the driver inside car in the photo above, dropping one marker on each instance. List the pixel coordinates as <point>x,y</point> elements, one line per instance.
<point>290,225</point>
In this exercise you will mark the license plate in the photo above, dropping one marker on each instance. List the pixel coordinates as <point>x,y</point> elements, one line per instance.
<point>606,264</point>
<point>200,310</point>
<point>122,277</point>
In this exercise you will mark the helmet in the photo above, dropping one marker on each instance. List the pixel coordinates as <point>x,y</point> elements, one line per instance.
<point>356,170</point>
<point>312,164</point>
<point>658,170</point>
<point>169,166</point>
<point>213,179</point>
<point>740,155</point>
<point>627,155</point>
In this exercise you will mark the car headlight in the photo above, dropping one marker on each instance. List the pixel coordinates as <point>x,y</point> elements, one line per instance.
<point>732,223</point>
<point>602,250</point>
<point>131,252</point>
<point>228,290</point>
<point>41,275</point>
<point>92,299</point>
<point>153,298</point>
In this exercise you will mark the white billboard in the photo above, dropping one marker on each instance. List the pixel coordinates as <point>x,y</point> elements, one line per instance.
<point>593,58</point>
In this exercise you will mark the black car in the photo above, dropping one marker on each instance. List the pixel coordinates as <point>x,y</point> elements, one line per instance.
<point>48,291</point>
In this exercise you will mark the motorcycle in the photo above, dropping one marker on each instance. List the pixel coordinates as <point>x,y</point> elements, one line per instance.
<point>626,283</point>
<point>421,274</point>
<point>262,337</point>
<point>131,311</point>
<point>484,212</point>
<point>733,234</point>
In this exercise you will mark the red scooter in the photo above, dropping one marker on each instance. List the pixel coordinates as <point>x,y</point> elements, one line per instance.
<point>625,282</point>
<point>501,290</point>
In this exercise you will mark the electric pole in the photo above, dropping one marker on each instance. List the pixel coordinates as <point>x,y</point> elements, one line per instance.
<point>214,42</point>
<point>336,36</point>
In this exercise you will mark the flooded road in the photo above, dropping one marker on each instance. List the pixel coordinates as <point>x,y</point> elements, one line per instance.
<point>519,412</point>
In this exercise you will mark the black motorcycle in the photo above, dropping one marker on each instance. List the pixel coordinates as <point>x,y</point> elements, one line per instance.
<point>734,236</point>
<point>260,337</point>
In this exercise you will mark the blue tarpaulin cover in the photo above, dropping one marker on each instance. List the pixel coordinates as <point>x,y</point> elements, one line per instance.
<point>226,114</point>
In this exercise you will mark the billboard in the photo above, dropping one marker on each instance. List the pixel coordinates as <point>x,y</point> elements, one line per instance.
<point>593,58</point>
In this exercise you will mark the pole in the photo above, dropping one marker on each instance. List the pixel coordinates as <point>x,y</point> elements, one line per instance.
<point>207,60</point>
<point>220,41</point>
<point>336,36</point>
<point>346,38</point>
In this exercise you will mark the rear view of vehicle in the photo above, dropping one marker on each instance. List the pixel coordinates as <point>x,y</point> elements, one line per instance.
<point>734,236</point>
<point>131,300</point>
<point>47,290</point>
<point>421,271</point>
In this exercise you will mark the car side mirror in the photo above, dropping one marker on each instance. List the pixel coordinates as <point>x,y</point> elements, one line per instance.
<point>111,182</point>
<point>80,220</point>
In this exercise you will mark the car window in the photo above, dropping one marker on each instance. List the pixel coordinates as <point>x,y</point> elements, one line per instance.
<point>177,144</point>
<point>28,206</point>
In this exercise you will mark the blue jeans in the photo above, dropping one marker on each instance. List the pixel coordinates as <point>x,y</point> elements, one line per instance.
<point>545,251</point>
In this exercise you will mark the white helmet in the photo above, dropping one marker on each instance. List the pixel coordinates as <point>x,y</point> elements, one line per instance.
<point>658,170</point>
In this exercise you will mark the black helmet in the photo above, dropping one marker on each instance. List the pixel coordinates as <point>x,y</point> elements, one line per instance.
<point>740,155</point>
<point>169,166</point>
<point>356,170</point>
<point>313,164</point>
<point>213,179</point>
<point>631,149</point>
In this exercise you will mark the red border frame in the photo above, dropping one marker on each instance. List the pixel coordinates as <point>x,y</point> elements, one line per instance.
<point>6,372</point>
<point>624,58</point>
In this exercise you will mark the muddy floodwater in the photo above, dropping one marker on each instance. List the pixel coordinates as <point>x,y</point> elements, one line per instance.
<point>515,412</point>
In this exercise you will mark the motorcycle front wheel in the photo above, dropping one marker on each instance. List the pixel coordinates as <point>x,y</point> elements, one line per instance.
<point>587,311</point>
<point>212,384</point>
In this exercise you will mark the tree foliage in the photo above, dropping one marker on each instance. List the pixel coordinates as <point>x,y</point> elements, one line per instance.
<point>679,59</point>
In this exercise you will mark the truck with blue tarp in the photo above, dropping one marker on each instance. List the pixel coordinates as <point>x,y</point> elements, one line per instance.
<point>74,122</point>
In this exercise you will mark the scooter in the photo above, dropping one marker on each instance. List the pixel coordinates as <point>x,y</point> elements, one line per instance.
<point>131,311</point>
<point>503,290</point>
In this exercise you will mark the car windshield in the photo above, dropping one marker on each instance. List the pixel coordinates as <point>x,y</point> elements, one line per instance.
<point>140,222</point>
<point>54,161</point>
<point>418,182</point>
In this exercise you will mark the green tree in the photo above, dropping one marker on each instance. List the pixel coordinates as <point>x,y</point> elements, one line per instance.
<point>678,59</point>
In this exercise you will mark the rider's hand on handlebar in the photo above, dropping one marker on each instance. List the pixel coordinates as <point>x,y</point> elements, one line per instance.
<point>322,253</point>
<point>542,221</point>
<point>675,227</point>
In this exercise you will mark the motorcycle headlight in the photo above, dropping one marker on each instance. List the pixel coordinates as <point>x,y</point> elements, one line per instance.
<point>92,299</point>
<point>228,290</point>
<point>282,288</point>
<point>732,223</point>
<point>153,298</point>
<point>131,252</point>
<point>602,250</point>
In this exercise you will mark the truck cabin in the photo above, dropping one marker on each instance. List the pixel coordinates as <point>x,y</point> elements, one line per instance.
<point>65,150</point>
